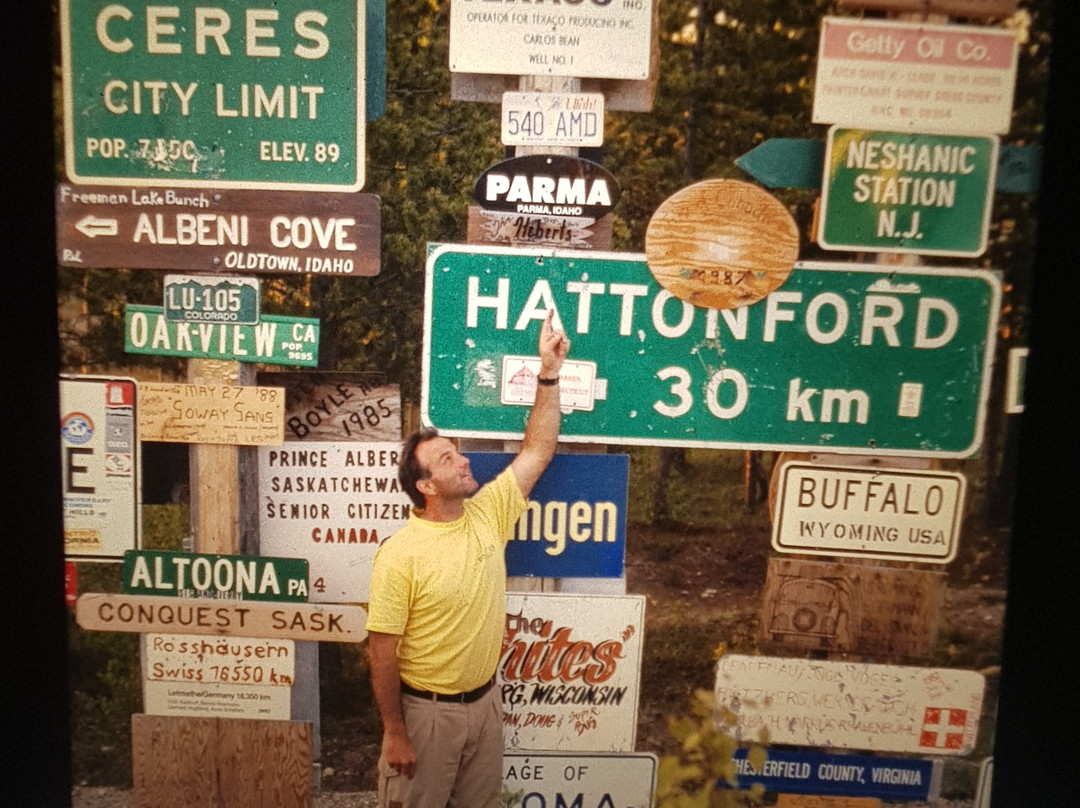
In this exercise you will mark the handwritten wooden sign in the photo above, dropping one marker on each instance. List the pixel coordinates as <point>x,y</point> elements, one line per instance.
<point>721,244</point>
<point>851,608</point>
<point>527,230</point>
<point>179,412</point>
<point>327,406</point>
<point>322,622</point>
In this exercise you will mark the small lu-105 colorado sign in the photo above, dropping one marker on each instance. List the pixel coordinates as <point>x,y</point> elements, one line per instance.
<point>190,298</point>
<point>869,512</point>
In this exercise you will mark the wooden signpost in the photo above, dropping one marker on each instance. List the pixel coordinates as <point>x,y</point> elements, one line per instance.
<point>320,622</point>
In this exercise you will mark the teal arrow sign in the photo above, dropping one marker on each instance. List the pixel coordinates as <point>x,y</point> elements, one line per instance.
<point>797,162</point>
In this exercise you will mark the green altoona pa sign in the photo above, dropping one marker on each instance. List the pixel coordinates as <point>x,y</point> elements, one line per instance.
<point>229,94</point>
<point>850,358</point>
<point>897,192</point>
<point>153,572</point>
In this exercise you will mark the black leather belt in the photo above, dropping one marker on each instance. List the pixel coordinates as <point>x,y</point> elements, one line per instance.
<point>456,698</point>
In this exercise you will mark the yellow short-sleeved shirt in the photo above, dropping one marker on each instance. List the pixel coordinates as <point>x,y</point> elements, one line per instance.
<point>441,586</point>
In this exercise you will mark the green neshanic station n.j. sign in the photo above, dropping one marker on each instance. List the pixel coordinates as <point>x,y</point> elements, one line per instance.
<point>843,357</point>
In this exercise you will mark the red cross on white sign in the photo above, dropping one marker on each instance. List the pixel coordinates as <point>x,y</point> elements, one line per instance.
<point>943,728</point>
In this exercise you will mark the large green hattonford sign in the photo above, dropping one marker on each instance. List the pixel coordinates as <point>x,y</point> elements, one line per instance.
<point>234,93</point>
<point>844,357</point>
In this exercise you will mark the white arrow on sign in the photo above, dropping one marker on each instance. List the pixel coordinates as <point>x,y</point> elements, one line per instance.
<point>92,226</point>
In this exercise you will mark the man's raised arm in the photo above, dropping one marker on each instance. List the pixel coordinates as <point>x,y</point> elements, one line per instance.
<point>542,431</point>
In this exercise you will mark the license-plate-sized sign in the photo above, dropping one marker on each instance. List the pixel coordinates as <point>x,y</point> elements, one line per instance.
<point>99,450</point>
<point>240,95</point>
<point>194,575</point>
<point>235,677</point>
<point>897,192</point>
<point>913,77</point>
<point>552,119</point>
<point>899,514</point>
<point>570,672</point>
<point>231,230</point>
<point>202,299</point>
<point>800,772</point>
<point>541,780</point>
<point>275,339</point>
<point>597,40</point>
<point>858,359</point>
<point>576,523</point>
<point>880,708</point>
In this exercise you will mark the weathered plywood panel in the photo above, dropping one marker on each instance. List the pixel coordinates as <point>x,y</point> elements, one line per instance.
<point>172,762</point>
<point>850,608</point>
<point>186,762</point>
<point>264,764</point>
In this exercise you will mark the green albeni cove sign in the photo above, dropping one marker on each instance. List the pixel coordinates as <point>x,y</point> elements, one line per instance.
<point>903,192</point>
<point>201,575</point>
<point>847,358</point>
<point>275,339</point>
<point>233,94</point>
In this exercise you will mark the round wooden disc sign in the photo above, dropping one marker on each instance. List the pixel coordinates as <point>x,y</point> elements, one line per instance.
<point>721,244</point>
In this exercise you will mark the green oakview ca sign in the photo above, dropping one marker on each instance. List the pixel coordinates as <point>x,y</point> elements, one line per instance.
<point>842,357</point>
<point>236,93</point>
<point>914,193</point>
<point>275,339</point>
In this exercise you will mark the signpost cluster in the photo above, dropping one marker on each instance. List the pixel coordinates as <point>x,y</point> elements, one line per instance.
<point>221,144</point>
<point>197,141</point>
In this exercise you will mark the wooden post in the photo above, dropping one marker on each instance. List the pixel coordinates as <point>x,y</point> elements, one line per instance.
<point>215,471</point>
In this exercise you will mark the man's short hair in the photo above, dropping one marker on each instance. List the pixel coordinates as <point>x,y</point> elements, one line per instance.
<point>410,471</point>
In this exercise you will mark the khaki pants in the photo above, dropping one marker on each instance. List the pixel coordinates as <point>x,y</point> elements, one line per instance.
<point>458,755</point>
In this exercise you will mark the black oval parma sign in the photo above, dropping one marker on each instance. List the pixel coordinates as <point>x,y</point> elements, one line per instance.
<point>548,185</point>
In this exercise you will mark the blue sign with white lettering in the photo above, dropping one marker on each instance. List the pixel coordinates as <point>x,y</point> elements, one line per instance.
<point>840,775</point>
<point>576,523</point>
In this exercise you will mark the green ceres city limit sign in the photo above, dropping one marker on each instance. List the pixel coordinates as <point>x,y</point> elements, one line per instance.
<point>850,358</point>
<point>231,94</point>
<point>899,192</point>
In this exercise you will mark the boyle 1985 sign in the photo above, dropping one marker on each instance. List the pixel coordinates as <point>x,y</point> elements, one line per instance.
<point>858,359</point>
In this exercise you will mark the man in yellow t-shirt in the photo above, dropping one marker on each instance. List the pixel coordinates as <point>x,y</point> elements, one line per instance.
<point>437,610</point>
